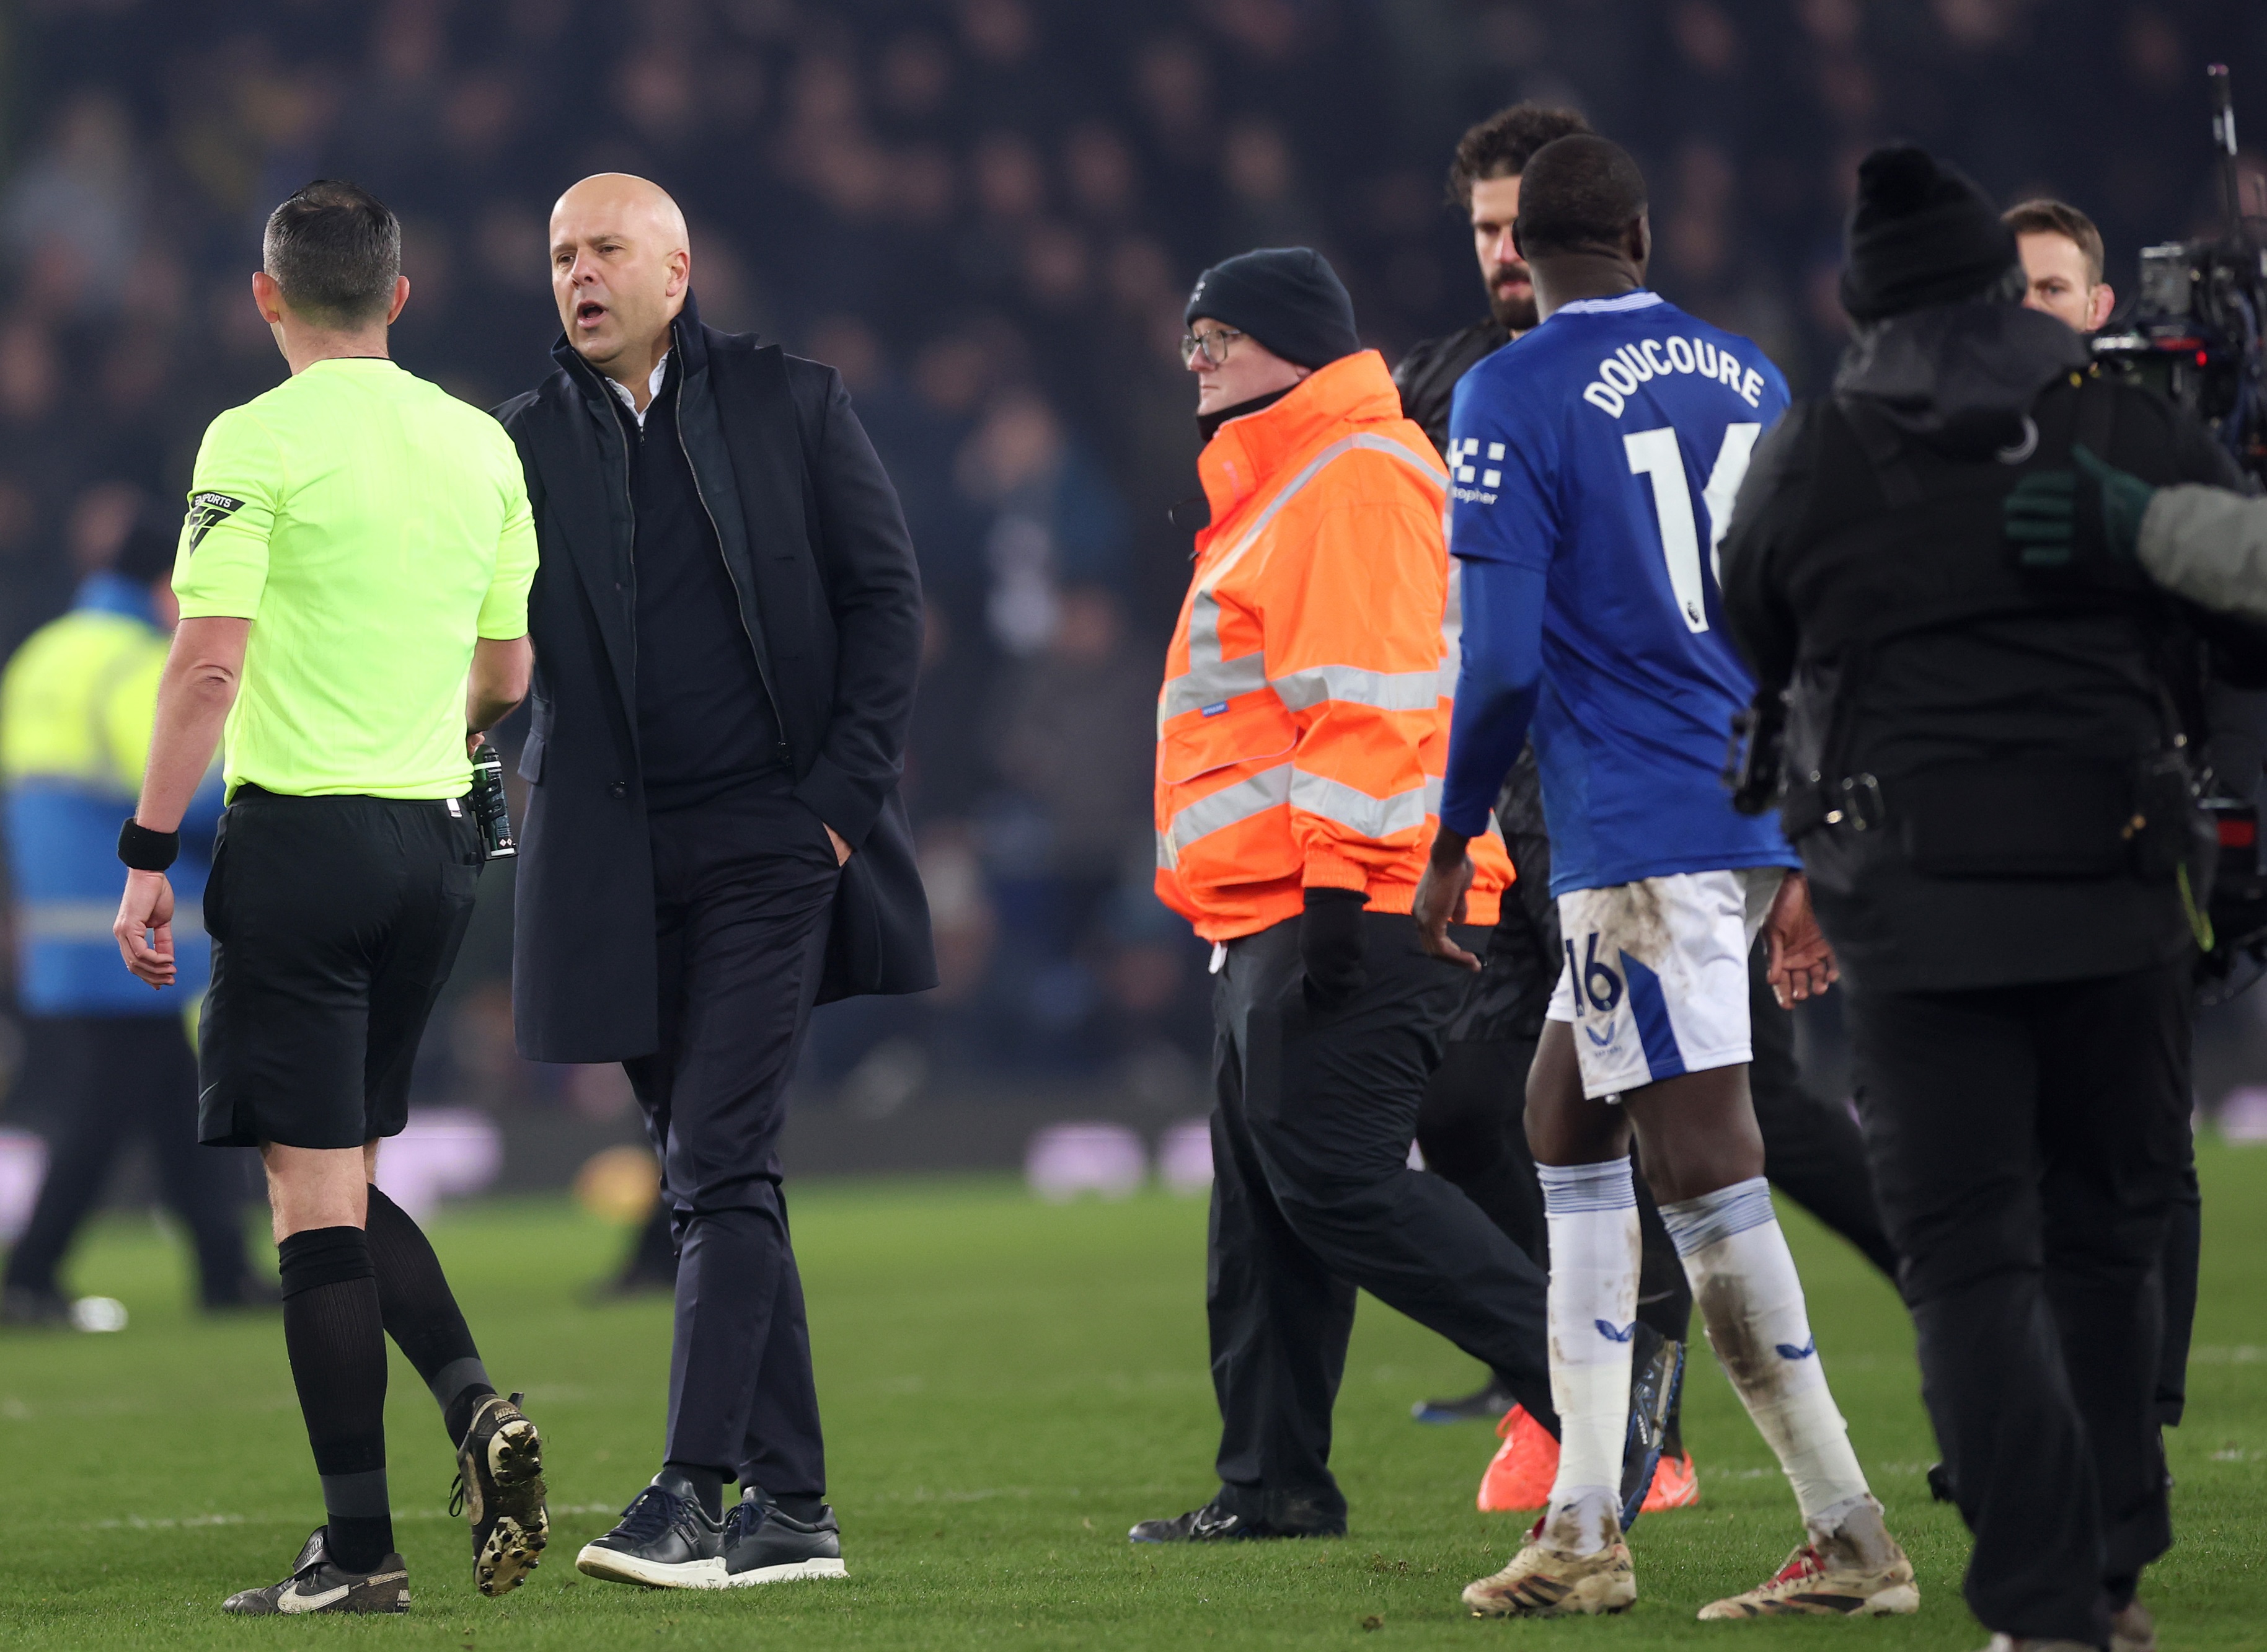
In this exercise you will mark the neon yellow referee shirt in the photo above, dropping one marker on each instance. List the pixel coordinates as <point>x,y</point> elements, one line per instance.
<point>369,525</point>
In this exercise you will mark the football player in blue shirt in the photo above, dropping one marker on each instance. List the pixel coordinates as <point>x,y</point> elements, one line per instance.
<point>1595,462</point>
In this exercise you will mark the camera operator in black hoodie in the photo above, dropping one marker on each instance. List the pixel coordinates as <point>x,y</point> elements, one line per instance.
<point>1988,752</point>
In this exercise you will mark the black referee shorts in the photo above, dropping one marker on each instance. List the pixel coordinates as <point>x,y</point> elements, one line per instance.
<point>334,921</point>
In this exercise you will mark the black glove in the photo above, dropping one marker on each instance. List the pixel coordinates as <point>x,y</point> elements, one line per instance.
<point>2056,519</point>
<point>1330,945</point>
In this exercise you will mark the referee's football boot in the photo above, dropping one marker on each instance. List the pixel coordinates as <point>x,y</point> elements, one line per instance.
<point>1213,1524</point>
<point>1855,1571</point>
<point>500,1493</point>
<point>664,1540</point>
<point>317,1583</point>
<point>1656,1374</point>
<point>763,1546</point>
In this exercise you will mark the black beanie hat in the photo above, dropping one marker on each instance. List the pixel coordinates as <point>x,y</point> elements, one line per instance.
<point>1287,297</point>
<point>146,555</point>
<point>1919,234</point>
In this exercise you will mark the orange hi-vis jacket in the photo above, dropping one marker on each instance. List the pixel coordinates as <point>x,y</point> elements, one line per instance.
<point>1303,727</point>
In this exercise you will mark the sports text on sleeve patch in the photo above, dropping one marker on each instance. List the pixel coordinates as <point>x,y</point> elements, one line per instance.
<point>207,512</point>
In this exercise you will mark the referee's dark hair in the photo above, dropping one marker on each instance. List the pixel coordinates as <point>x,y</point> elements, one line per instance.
<point>335,250</point>
<point>1579,194</point>
<point>1502,145</point>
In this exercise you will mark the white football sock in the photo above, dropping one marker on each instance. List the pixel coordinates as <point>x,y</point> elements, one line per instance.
<point>1592,1211</point>
<point>1744,1284</point>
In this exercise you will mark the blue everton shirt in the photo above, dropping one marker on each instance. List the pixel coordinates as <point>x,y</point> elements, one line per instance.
<point>1594,461</point>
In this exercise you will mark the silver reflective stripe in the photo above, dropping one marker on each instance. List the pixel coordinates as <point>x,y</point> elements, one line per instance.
<point>88,920</point>
<point>1212,684</point>
<point>1385,691</point>
<point>1433,786</point>
<point>1204,606</point>
<point>1356,810</point>
<point>1255,793</point>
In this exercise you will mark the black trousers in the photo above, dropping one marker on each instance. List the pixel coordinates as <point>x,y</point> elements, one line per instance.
<point>1312,1197</point>
<point>744,888</point>
<point>119,1078</point>
<point>2030,1143</point>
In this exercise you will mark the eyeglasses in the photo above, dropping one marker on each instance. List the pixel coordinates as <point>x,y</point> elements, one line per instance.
<point>1214,344</point>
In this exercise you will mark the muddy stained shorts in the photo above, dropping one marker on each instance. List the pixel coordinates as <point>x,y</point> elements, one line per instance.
<point>1655,978</point>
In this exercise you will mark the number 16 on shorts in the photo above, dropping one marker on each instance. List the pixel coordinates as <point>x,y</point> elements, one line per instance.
<point>1596,983</point>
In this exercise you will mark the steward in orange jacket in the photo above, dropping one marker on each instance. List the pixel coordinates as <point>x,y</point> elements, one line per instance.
<point>1301,735</point>
<point>1304,728</point>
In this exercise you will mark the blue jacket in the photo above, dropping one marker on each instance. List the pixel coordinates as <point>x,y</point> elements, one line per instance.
<point>77,705</point>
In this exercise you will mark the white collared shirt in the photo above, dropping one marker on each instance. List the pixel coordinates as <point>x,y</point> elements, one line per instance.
<point>652,389</point>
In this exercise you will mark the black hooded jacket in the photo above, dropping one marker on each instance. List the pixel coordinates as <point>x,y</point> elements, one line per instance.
<point>1968,742</point>
<point>829,599</point>
<point>1507,999</point>
<point>1427,376</point>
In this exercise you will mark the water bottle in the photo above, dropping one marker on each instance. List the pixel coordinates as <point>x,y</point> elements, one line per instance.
<point>490,808</point>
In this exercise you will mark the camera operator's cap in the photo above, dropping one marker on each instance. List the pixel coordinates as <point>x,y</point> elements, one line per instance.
<point>1287,297</point>
<point>1920,234</point>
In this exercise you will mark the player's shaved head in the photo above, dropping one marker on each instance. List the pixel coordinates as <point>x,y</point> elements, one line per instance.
<point>621,264</point>
<point>1579,194</point>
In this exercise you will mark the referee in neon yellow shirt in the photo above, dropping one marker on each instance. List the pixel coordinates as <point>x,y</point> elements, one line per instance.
<point>352,577</point>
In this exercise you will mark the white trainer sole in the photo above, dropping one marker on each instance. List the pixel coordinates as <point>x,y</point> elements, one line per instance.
<point>786,1574</point>
<point>617,1568</point>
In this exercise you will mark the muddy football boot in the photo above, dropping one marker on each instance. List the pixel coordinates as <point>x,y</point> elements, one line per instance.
<point>500,1493</point>
<point>1858,1571</point>
<point>1546,1581</point>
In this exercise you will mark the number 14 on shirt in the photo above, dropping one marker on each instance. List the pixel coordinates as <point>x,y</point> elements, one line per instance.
<point>1653,453</point>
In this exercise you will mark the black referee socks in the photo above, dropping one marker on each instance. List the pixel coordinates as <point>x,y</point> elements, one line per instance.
<point>422,1315</point>
<point>337,1340</point>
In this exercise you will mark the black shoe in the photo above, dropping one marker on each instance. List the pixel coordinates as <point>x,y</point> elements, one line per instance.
<point>763,1546</point>
<point>1656,1374</point>
<point>23,1307</point>
<point>1213,1524</point>
<point>1939,1483</point>
<point>316,1584</point>
<point>664,1540</point>
<point>1485,1404</point>
<point>500,1491</point>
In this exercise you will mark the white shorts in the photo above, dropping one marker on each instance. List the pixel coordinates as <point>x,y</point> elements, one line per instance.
<point>1655,980</point>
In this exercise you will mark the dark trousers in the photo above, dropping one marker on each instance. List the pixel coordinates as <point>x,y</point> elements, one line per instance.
<point>1471,1128</point>
<point>1312,1197</point>
<point>119,1078</point>
<point>1813,1149</point>
<point>743,887</point>
<point>2029,1143</point>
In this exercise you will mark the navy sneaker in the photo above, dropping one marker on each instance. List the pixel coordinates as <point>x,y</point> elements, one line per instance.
<point>763,1546</point>
<point>318,1584</point>
<point>664,1540</point>
<point>1656,1374</point>
<point>1485,1404</point>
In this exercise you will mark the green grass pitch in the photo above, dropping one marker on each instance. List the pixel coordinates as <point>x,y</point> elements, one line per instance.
<point>1007,1385</point>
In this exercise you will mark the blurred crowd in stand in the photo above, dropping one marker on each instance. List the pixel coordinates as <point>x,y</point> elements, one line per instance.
<point>987,214</point>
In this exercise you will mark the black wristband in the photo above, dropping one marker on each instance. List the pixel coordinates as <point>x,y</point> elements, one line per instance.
<point>144,850</point>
